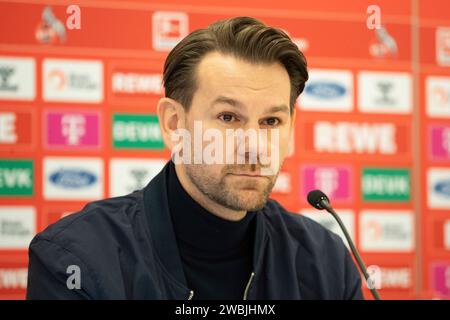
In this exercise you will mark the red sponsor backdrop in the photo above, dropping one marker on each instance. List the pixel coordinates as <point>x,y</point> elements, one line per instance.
<point>363,130</point>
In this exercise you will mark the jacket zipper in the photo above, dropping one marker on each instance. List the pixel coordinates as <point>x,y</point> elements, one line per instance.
<point>248,285</point>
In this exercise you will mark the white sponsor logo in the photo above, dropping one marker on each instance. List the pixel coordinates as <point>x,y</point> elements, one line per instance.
<point>72,80</point>
<point>283,183</point>
<point>325,219</point>
<point>17,226</point>
<point>443,46</point>
<point>447,234</point>
<point>137,83</point>
<point>328,90</point>
<point>347,137</point>
<point>13,278</point>
<point>8,127</point>
<point>73,178</point>
<point>438,96</point>
<point>17,78</point>
<point>439,188</point>
<point>169,28</point>
<point>385,92</point>
<point>390,278</point>
<point>386,231</point>
<point>128,175</point>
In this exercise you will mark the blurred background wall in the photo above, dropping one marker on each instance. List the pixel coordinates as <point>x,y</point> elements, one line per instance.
<point>79,83</point>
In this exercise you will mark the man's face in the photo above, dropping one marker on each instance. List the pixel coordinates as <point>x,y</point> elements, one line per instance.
<point>234,94</point>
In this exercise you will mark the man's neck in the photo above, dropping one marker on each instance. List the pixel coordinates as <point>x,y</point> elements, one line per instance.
<point>206,202</point>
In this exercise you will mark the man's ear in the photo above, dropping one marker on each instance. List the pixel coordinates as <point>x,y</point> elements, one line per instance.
<point>171,116</point>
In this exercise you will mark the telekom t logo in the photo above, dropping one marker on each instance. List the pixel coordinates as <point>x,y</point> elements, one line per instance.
<point>73,128</point>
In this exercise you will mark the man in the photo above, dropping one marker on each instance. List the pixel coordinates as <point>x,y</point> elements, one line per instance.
<point>204,229</point>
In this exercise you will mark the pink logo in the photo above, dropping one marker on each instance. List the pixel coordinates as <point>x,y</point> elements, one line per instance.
<point>335,181</point>
<point>440,274</point>
<point>72,129</point>
<point>439,142</point>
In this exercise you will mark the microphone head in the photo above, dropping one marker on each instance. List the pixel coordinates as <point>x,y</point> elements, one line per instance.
<point>315,198</point>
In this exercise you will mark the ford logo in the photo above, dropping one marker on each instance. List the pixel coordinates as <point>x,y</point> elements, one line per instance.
<point>443,188</point>
<point>73,178</point>
<point>325,90</point>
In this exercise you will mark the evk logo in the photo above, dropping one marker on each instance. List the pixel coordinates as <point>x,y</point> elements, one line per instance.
<point>443,46</point>
<point>16,177</point>
<point>17,78</point>
<point>168,28</point>
<point>17,227</point>
<point>386,231</point>
<point>139,131</point>
<point>439,141</point>
<point>335,181</point>
<point>326,220</point>
<point>439,188</point>
<point>128,175</point>
<point>72,80</point>
<point>385,92</point>
<point>438,96</point>
<point>73,178</point>
<point>385,184</point>
<point>74,130</point>
<point>328,90</point>
<point>16,128</point>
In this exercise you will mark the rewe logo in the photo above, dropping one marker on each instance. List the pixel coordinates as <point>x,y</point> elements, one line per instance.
<point>349,137</point>
<point>72,129</point>
<point>13,278</point>
<point>15,128</point>
<point>137,83</point>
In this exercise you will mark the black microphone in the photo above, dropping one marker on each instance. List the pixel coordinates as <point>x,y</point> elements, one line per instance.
<point>320,201</point>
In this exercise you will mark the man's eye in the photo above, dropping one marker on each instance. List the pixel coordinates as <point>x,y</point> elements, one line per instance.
<point>226,117</point>
<point>272,121</point>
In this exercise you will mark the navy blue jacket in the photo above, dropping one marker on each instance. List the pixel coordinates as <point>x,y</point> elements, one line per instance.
<point>125,248</point>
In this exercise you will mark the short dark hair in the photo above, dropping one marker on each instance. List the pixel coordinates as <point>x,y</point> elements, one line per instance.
<point>243,37</point>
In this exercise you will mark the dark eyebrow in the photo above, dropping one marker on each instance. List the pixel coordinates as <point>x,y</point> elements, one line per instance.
<point>235,103</point>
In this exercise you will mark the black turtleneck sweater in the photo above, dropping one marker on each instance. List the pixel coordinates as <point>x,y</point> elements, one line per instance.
<point>216,253</point>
